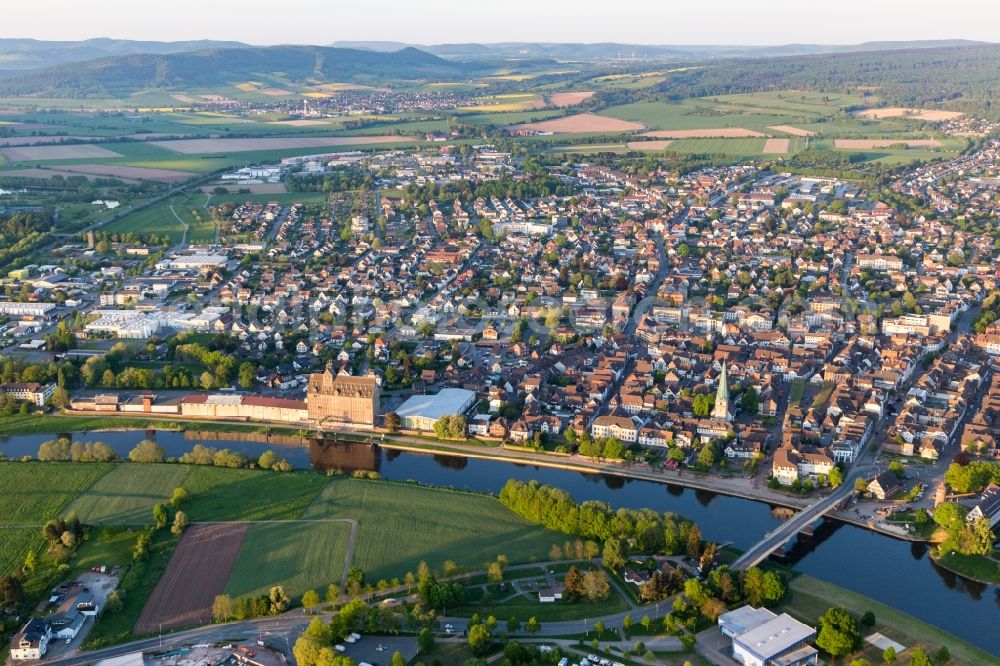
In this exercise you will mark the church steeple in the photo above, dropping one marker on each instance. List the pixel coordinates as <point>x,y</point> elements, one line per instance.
<point>721,409</point>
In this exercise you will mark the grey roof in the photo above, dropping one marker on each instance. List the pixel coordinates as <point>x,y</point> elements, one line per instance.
<point>769,639</point>
<point>744,618</point>
<point>444,403</point>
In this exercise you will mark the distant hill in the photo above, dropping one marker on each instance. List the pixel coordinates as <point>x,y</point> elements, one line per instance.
<point>614,50</point>
<point>120,76</point>
<point>18,55</point>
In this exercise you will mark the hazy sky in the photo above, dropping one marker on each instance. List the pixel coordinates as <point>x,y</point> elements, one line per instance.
<point>439,21</point>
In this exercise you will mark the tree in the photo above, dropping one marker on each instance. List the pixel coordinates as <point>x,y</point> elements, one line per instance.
<point>267,459</point>
<point>31,561</point>
<point>533,626</point>
<point>889,655</point>
<point>160,516</point>
<point>749,401</point>
<point>222,608</point>
<point>762,588</point>
<point>11,590</point>
<point>494,572</point>
<point>942,656</point>
<point>627,624</point>
<point>179,497</point>
<point>860,485</point>
<point>393,422</point>
<point>595,586</point>
<point>839,633</point>
<point>278,600</point>
<point>513,625</point>
<point>918,657</point>
<point>397,660</point>
<point>147,451</point>
<point>310,599</point>
<point>180,523</point>
<point>333,593</point>
<point>247,375</point>
<point>836,477</point>
<point>860,662</point>
<point>868,619</point>
<point>614,554</point>
<point>896,468</point>
<point>425,639</point>
<point>60,398</point>
<point>479,640</point>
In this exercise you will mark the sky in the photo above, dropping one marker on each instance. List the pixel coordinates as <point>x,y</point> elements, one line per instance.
<point>740,22</point>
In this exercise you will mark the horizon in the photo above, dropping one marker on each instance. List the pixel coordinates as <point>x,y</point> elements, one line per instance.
<point>489,22</point>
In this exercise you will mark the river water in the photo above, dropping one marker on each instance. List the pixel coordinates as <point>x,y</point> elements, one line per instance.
<point>897,573</point>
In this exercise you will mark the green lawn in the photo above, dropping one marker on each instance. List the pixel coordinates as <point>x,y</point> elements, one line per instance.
<point>438,525</point>
<point>245,494</point>
<point>126,494</point>
<point>35,492</point>
<point>298,556</point>
<point>692,114</point>
<point>809,598</point>
<point>974,566</point>
<point>524,608</point>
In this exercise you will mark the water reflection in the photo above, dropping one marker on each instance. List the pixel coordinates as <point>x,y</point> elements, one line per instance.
<point>892,571</point>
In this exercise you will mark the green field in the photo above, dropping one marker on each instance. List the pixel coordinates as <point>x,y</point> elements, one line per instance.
<point>299,556</point>
<point>690,114</point>
<point>735,147</point>
<point>246,494</point>
<point>439,525</point>
<point>35,492</point>
<point>125,494</point>
<point>15,542</point>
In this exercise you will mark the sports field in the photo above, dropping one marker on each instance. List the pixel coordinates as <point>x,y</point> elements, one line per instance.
<point>299,556</point>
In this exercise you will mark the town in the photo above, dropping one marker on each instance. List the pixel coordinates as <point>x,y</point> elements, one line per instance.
<point>537,375</point>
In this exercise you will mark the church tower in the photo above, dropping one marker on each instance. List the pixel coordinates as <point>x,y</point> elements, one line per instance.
<point>721,409</point>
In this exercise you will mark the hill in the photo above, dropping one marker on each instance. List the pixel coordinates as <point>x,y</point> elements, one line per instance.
<point>119,76</point>
<point>19,55</point>
<point>614,50</point>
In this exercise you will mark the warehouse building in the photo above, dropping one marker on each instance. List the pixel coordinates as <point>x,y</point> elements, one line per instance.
<point>420,412</point>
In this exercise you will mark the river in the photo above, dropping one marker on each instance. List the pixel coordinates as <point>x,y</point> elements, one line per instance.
<point>897,573</point>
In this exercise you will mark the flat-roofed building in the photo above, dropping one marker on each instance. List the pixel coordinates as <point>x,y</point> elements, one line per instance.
<point>761,638</point>
<point>420,412</point>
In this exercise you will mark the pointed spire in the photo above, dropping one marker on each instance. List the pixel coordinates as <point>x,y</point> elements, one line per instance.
<point>721,409</point>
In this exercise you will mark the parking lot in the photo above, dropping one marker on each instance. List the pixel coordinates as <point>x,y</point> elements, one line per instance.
<point>378,650</point>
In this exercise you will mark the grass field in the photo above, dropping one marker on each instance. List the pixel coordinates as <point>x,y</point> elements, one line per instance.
<point>736,147</point>
<point>125,494</point>
<point>690,114</point>
<point>298,556</point>
<point>33,493</point>
<point>245,494</point>
<point>15,542</point>
<point>810,598</point>
<point>466,528</point>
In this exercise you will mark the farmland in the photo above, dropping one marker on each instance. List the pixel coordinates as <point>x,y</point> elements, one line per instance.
<point>15,542</point>
<point>125,494</point>
<point>196,573</point>
<point>36,492</point>
<point>297,555</point>
<point>583,122</point>
<point>221,494</point>
<point>466,528</point>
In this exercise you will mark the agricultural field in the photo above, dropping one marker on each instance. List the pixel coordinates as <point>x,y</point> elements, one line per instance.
<point>245,494</point>
<point>582,122</point>
<point>439,525</point>
<point>35,492</point>
<point>504,103</point>
<point>15,542</point>
<point>296,555</point>
<point>691,115</point>
<point>735,147</point>
<point>196,573</point>
<point>125,494</point>
<point>211,146</point>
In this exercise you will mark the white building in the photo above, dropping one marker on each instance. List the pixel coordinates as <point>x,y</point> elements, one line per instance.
<point>761,638</point>
<point>420,412</point>
<point>32,641</point>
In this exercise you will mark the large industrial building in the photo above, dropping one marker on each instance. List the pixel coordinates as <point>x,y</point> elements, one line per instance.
<point>420,412</point>
<point>342,399</point>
